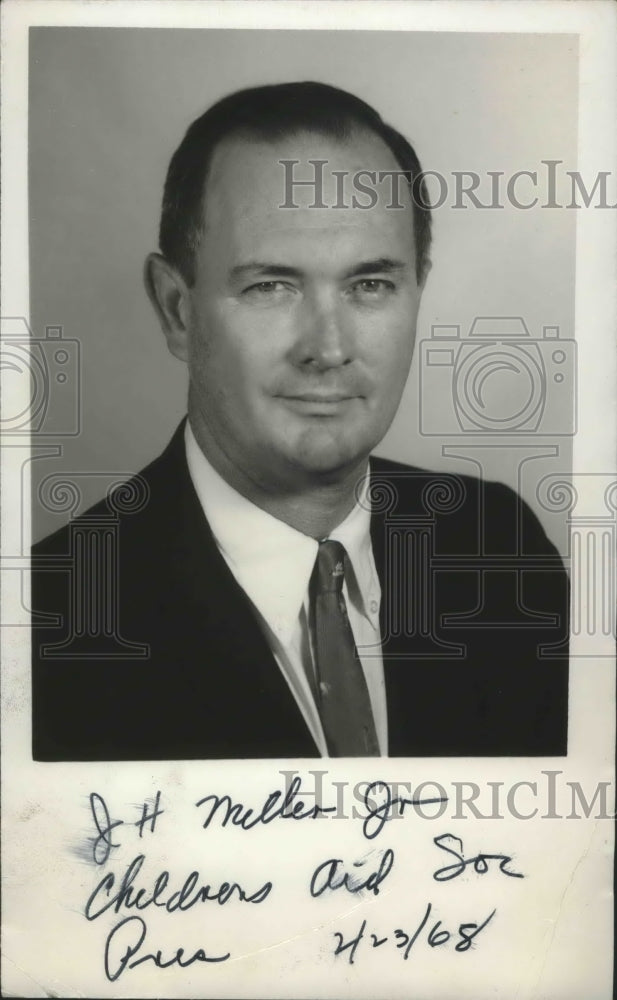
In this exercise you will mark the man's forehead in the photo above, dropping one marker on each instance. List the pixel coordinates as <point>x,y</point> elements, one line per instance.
<point>276,182</point>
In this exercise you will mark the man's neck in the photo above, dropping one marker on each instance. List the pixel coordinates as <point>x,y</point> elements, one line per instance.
<point>315,512</point>
<point>314,506</point>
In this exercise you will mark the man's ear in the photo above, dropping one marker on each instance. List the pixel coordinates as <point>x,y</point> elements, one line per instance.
<point>169,294</point>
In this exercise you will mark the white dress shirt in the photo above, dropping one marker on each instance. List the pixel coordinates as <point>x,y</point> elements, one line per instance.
<point>273,563</point>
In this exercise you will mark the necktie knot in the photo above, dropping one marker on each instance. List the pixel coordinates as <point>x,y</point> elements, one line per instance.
<point>331,559</point>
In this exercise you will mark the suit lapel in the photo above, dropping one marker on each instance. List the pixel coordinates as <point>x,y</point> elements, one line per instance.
<point>247,673</point>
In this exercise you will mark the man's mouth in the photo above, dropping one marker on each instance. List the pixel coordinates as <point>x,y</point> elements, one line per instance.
<point>318,403</point>
<point>320,397</point>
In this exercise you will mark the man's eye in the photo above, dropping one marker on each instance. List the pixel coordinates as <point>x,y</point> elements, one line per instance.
<point>266,288</point>
<point>374,287</point>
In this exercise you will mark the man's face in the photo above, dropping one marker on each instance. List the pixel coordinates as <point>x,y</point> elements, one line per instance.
<point>301,320</point>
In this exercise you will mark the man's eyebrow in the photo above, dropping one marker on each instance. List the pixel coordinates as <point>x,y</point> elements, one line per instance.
<point>256,267</point>
<point>380,265</point>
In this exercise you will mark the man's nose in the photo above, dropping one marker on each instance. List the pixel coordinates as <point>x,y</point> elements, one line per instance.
<point>323,341</point>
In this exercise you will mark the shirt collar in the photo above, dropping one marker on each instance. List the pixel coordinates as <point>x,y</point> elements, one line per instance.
<point>272,561</point>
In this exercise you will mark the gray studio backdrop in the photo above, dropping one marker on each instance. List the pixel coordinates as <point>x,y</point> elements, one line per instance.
<point>108,107</point>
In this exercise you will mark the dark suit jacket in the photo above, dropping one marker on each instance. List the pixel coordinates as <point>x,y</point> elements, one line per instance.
<point>147,648</point>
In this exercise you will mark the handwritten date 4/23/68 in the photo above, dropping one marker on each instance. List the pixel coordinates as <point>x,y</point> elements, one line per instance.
<point>433,933</point>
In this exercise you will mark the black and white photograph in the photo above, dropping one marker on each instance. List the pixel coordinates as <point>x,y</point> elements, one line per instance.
<point>310,499</point>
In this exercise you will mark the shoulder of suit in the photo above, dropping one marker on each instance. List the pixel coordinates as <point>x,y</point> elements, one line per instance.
<point>139,501</point>
<point>447,491</point>
<point>384,467</point>
<point>416,477</point>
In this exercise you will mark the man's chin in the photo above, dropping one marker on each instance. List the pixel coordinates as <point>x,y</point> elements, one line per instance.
<point>332,461</point>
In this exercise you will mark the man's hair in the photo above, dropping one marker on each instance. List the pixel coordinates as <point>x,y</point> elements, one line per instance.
<point>269,113</point>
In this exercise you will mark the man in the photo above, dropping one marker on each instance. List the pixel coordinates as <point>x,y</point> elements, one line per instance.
<point>274,594</point>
